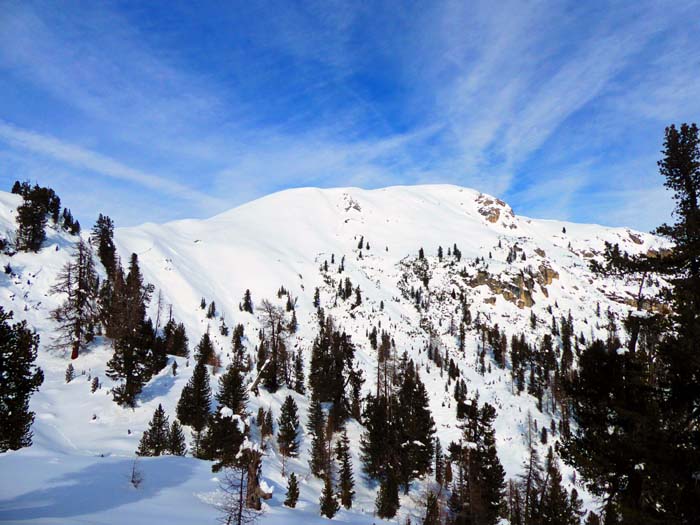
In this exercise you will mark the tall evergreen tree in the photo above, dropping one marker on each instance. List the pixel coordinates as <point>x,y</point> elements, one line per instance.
<point>177,445</point>
<point>103,238</point>
<point>288,428</point>
<point>204,352</point>
<point>195,400</point>
<point>387,502</point>
<point>156,439</point>
<point>232,391</point>
<point>223,439</point>
<point>346,479</point>
<point>329,505</point>
<point>316,426</point>
<point>292,491</point>
<point>78,313</point>
<point>20,378</point>
<point>132,335</point>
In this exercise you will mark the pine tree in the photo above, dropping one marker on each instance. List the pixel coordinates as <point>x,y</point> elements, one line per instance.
<point>247,302</point>
<point>329,505</point>
<point>204,351</point>
<point>211,312</point>
<point>175,339</point>
<point>346,480</point>
<point>70,373</point>
<point>292,491</point>
<point>195,400</point>
<point>288,428</point>
<point>223,439</point>
<point>439,464</point>
<point>177,445</point>
<point>316,427</point>
<point>299,385</point>
<point>132,335</point>
<point>103,237</point>
<point>20,378</point>
<point>232,392</point>
<point>78,313</point>
<point>156,440</point>
<point>387,503</point>
<point>31,233</point>
<point>267,425</point>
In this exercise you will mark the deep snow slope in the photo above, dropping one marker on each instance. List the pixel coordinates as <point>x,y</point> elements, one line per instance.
<point>77,470</point>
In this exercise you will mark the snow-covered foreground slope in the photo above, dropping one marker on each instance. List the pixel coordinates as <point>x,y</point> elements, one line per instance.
<point>78,468</point>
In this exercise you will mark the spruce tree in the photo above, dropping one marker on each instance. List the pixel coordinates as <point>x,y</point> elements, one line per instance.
<point>288,428</point>
<point>76,316</point>
<point>247,302</point>
<point>156,439</point>
<point>103,238</point>
<point>31,233</point>
<point>204,351</point>
<point>432,510</point>
<point>329,505</point>
<point>195,399</point>
<point>223,439</point>
<point>292,491</point>
<point>70,373</point>
<point>299,386</point>
<point>232,391</point>
<point>316,427</point>
<point>387,503</point>
<point>177,445</point>
<point>132,335</point>
<point>20,378</point>
<point>346,480</point>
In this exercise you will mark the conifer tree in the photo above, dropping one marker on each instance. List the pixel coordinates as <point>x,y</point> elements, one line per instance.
<point>387,502</point>
<point>232,392</point>
<point>247,302</point>
<point>132,335</point>
<point>223,439</point>
<point>292,491</point>
<point>329,505</point>
<point>204,351</point>
<point>78,313</point>
<point>31,233</point>
<point>103,238</point>
<point>177,445</point>
<point>20,378</point>
<point>156,439</point>
<point>70,373</point>
<point>175,339</point>
<point>346,480</point>
<point>317,428</point>
<point>195,400</point>
<point>299,385</point>
<point>288,428</point>
<point>211,312</point>
<point>267,426</point>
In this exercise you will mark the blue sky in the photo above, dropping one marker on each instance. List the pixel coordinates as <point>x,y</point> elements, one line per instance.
<point>153,111</point>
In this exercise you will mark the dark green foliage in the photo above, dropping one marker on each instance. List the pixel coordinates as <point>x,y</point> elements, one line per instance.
<point>316,426</point>
<point>70,373</point>
<point>175,339</point>
<point>247,305</point>
<point>299,385</point>
<point>222,440</point>
<point>266,429</point>
<point>232,390</point>
<point>478,491</point>
<point>103,238</point>
<point>387,502</point>
<point>156,440</point>
<point>204,351</point>
<point>211,311</point>
<point>132,334</point>
<point>346,480</point>
<point>292,491</point>
<point>78,314</point>
<point>39,202</point>
<point>329,505</point>
<point>331,370</point>
<point>177,445</point>
<point>20,378</point>
<point>288,428</point>
<point>195,400</point>
<point>651,422</point>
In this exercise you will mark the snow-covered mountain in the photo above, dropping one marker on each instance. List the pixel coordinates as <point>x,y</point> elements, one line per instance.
<point>511,267</point>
